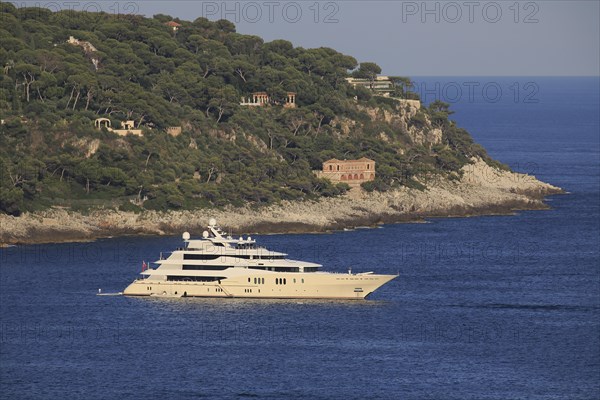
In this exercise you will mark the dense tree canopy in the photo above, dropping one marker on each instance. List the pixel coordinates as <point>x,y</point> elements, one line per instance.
<point>139,69</point>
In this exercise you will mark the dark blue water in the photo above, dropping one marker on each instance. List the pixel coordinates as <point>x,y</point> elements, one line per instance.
<point>484,308</point>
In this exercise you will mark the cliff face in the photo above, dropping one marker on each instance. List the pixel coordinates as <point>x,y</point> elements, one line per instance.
<point>482,190</point>
<point>402,120</point>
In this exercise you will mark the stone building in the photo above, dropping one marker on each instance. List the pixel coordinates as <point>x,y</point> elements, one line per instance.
<point>262,99</point>
<point>352,172</point>
<point>174,130</point>
<point>290,100</point>
<point>127,127</point>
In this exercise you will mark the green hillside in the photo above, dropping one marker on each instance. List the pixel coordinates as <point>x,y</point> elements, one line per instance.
<point>139,69</point>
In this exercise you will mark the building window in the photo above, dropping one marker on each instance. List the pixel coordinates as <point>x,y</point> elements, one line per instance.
<point>331,167</point>
<point>338,167</point>
<point>368,166</point>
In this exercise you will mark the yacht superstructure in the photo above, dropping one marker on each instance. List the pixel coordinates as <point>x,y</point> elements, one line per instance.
<point>220,266</point>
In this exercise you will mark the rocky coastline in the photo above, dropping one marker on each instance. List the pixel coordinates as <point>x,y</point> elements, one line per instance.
<point>482,190</point>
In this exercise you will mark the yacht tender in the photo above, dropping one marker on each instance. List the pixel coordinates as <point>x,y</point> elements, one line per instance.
<point>221,266</point>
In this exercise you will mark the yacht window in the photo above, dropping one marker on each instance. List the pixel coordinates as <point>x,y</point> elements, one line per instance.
<point>284,282</point>
<point>248,279</point>
<point>191,278</point>
<point>302,280</point>
<point>263,280</point>
<point>271,257</point>
<point>206,267</point>
<point>294,280</point>
<point>260,268</point>
<point>200,256</point>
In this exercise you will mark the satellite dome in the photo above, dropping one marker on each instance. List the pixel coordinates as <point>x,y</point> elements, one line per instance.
<point>205,234</point>
<point>186,236</point>
<point>212,222</point>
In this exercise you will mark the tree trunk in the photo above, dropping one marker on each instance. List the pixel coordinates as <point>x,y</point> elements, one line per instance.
<point>89,97</point>
<point>76,98</point>
<point>27,85</point>
<point>70,97</point>
<point>241,74</point>
<point>320,124</point>
<point>211,171</point>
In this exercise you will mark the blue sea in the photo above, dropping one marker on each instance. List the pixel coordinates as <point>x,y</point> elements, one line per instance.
<point>499,307</point>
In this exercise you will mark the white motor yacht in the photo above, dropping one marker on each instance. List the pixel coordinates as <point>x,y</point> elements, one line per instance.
<point>220,266</point>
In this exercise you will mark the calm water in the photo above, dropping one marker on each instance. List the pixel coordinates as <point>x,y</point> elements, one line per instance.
<point>485,308</point>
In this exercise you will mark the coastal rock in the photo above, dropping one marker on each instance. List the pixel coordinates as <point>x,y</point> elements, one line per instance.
<point>482,190</point>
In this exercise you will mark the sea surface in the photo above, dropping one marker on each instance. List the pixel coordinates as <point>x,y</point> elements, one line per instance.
<point>501,307</point>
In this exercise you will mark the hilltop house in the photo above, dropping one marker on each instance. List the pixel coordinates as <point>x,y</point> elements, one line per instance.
<point>173,25</point>
<point>382,85</point>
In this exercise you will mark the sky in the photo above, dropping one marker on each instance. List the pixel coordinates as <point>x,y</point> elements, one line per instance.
<point>416,38</point>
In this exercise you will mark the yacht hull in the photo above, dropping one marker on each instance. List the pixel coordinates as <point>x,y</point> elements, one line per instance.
<point>275,286</point>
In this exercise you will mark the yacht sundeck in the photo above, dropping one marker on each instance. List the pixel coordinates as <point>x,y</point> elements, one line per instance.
<point>220,266</point>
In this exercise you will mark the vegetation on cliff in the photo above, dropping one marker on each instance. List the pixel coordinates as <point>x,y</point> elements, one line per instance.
<point>140,69</point>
